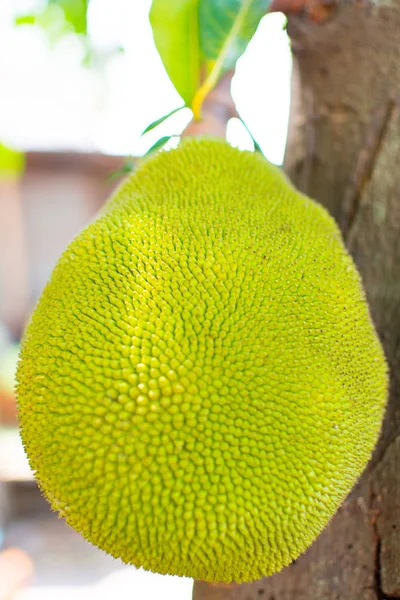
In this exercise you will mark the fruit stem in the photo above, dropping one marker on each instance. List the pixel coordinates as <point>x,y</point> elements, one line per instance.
<point>218,108</point>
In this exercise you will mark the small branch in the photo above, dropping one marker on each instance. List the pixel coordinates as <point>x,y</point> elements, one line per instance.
<point>218,109</point>
<point>314,11</point>
<point>287,6</point>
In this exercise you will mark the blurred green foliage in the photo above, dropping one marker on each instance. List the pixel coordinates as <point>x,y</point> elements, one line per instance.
<point>12,163</point>
<point>59,18</point>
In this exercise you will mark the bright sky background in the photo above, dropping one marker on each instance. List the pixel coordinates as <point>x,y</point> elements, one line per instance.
<point>48,100</point>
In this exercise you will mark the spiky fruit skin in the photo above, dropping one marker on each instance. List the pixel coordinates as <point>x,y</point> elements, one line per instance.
<point>201,384</point>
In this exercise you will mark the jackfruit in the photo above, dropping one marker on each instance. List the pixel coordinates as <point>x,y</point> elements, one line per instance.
<point>201,384</point>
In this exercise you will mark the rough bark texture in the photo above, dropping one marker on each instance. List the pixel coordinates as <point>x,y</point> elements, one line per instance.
<point>344,150</point>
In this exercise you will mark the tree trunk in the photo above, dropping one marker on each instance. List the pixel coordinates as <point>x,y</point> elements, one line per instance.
<point>344,150</point>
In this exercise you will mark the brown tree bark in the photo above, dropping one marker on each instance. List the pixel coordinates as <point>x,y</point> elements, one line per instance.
<point>344,150</point>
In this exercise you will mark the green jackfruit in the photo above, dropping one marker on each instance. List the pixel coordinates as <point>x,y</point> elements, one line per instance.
<point>201,384</point>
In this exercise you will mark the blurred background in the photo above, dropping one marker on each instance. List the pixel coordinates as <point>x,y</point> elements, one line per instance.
<point>79,82</point>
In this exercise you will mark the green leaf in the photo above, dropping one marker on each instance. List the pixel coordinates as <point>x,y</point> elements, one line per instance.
<point>159,144</point>
<point>158,122</point>
<point>12,163</point>
<point>257,147</point>
<point>176,36</point>
<point>128,167</point>
<point>59,18</point>
<point>225,29</point>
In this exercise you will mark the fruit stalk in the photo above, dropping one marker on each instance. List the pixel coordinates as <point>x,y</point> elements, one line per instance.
<point>218,109</point>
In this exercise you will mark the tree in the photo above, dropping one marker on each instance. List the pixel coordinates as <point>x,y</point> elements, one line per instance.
<point>343,149</point>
